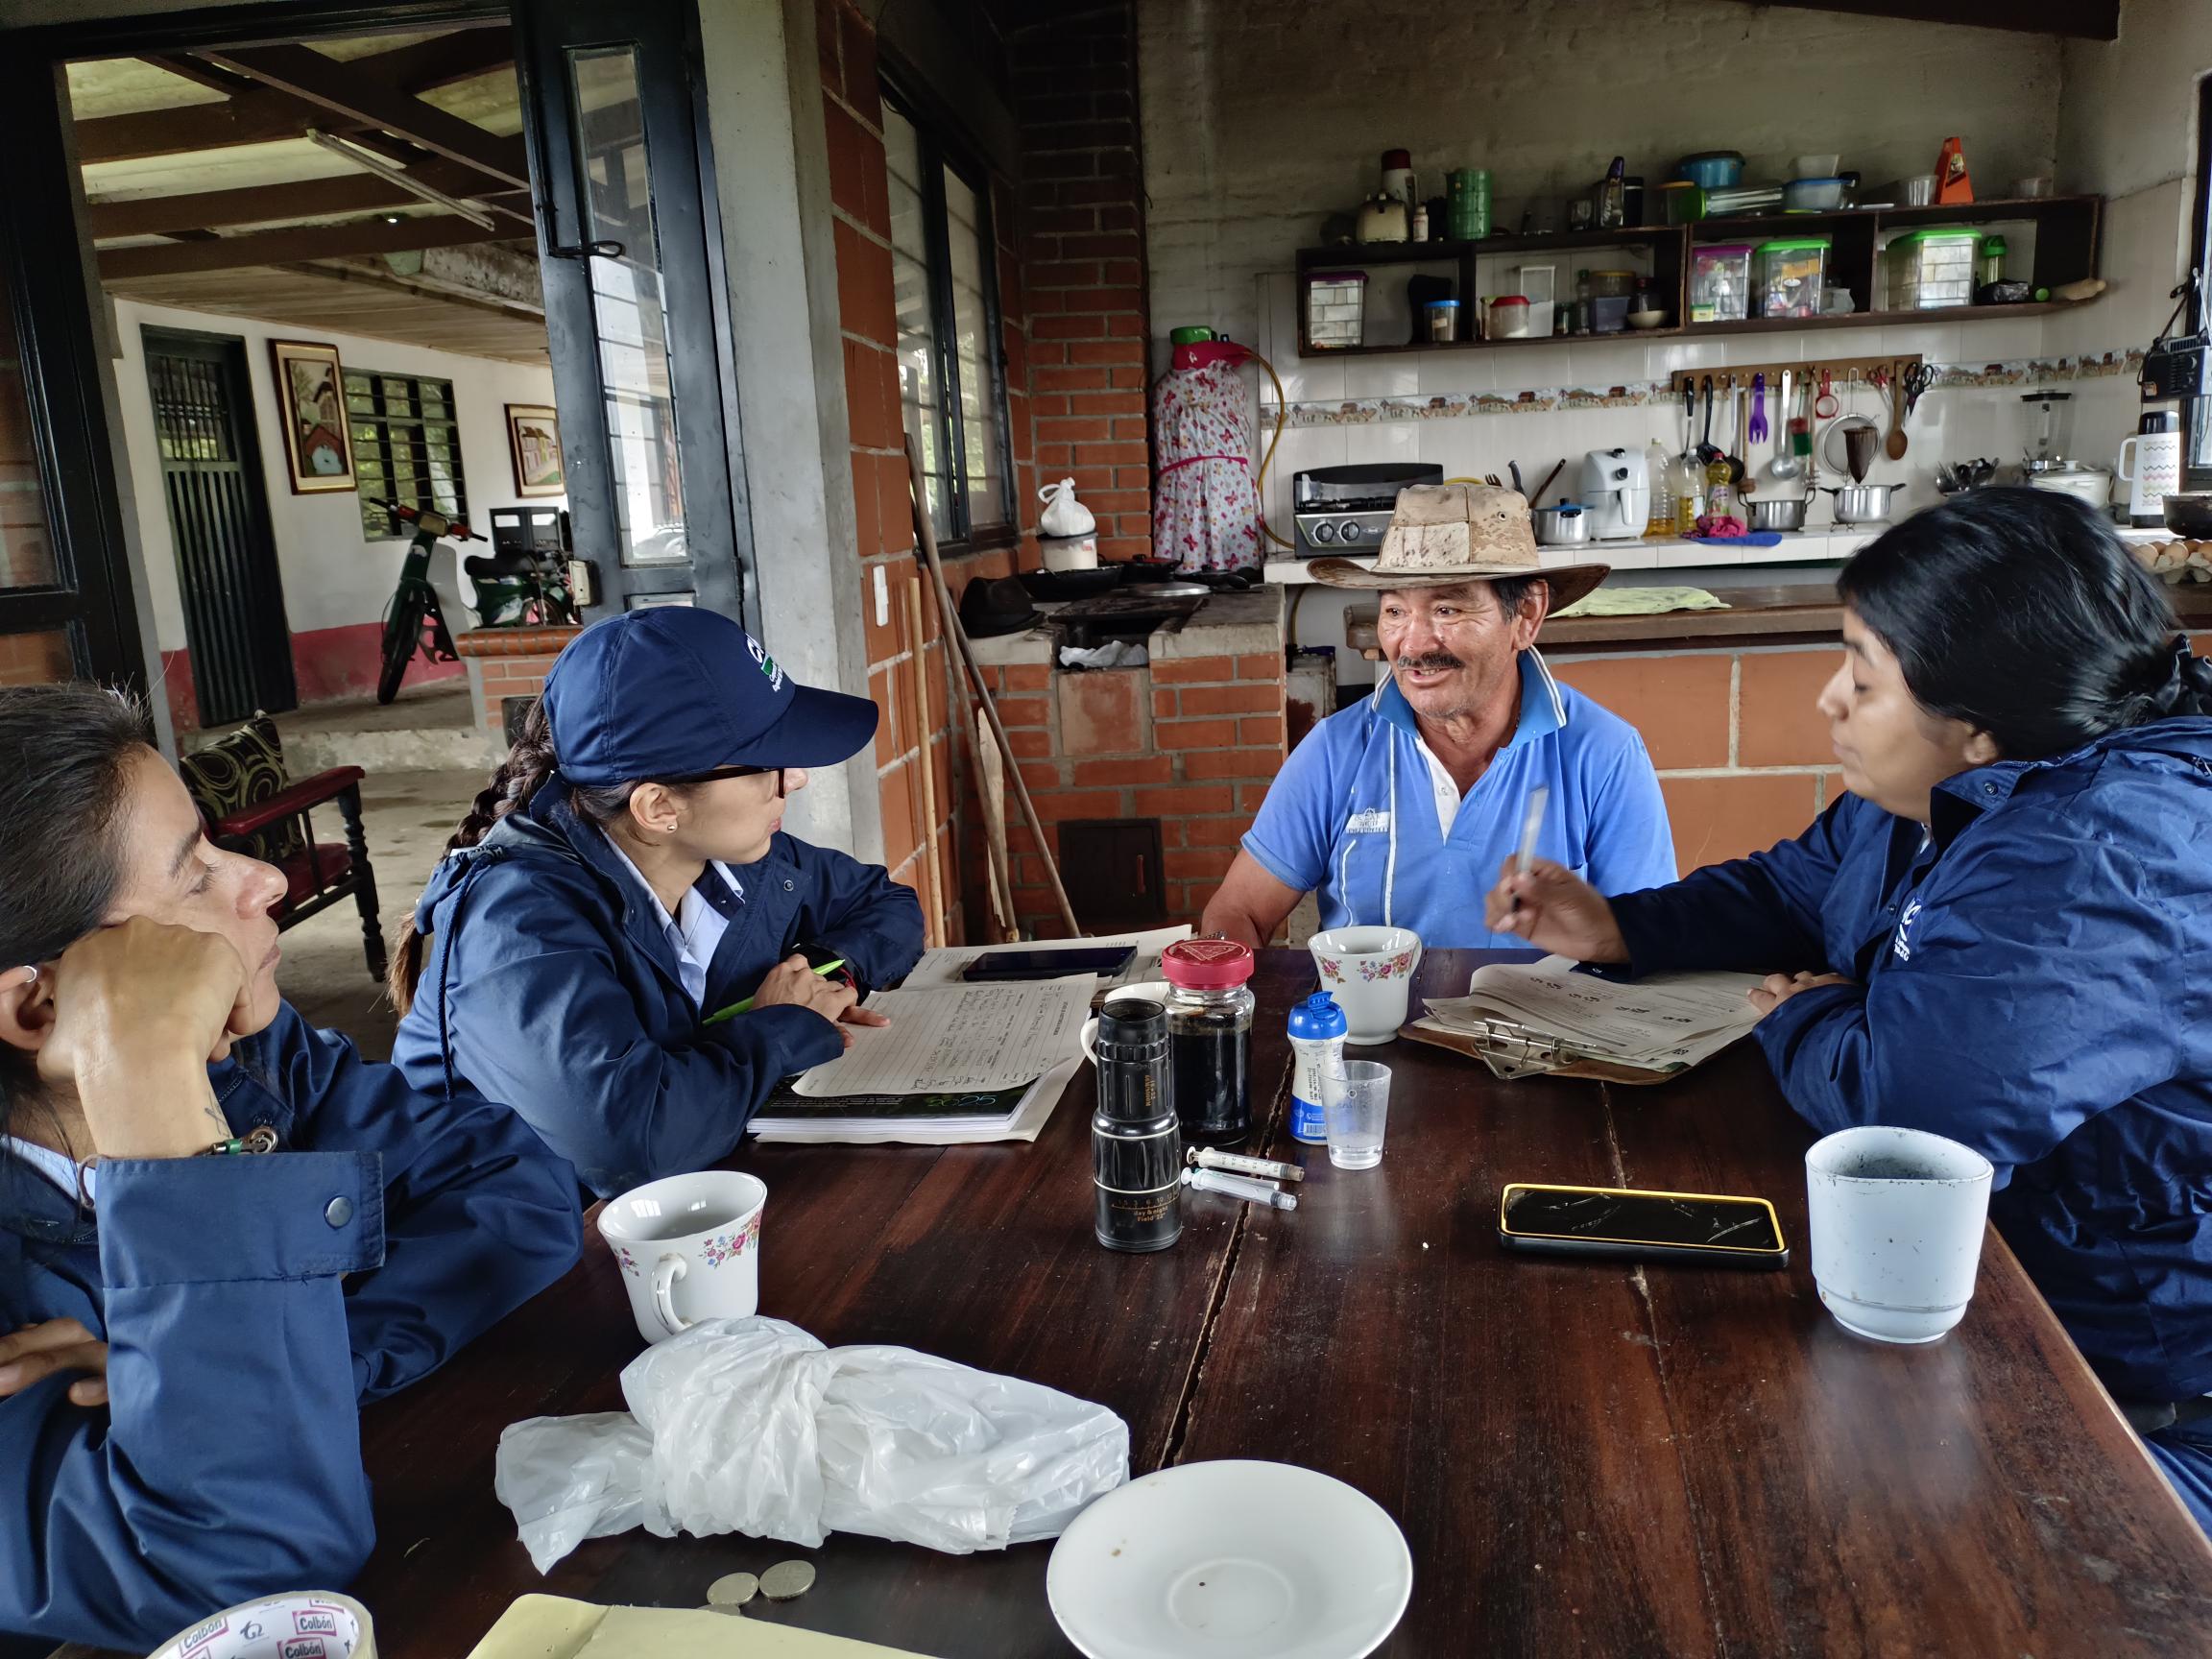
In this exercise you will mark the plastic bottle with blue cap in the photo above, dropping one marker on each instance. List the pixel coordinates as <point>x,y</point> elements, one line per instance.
<point>1317,1028</point>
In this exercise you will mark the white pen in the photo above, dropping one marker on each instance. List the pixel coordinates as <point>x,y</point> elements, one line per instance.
<point>1531,821</point>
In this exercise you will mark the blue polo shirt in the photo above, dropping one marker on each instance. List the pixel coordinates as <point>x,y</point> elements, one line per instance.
<point>1357,816</point>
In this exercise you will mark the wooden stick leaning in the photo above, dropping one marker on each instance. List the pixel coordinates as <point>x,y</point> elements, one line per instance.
<point>926,534</point>
<point>937,905</point>
<point>991,791</point>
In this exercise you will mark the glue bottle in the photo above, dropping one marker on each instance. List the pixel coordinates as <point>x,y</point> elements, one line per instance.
<point>1317,1031</point>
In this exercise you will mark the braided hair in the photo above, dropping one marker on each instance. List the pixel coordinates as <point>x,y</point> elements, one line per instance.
<point>530,765</point>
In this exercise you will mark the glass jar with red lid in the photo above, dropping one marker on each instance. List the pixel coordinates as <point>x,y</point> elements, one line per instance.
<point>1209,1036</point>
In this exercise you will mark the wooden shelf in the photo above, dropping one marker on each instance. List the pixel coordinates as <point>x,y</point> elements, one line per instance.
<point>1709,331</point>
<point>2067,233</point>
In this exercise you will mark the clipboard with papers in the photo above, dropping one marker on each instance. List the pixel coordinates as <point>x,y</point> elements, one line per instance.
<point>1548,1019</point>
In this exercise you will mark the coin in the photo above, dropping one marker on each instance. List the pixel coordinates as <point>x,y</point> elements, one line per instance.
<point>722,1607</point>
<point>787,1581</point>
<point>731,1590</point>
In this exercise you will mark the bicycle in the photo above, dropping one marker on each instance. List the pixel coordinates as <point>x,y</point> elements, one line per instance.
<point>414,621</point>
<point>513,589</point>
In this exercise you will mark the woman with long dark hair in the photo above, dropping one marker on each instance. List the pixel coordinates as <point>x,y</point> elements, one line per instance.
<point>625,878</point>
<point>220,1230</point>
<point>2003,933</point>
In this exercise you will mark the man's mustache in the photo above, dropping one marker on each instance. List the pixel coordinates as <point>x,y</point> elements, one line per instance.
<point>1434,662</point>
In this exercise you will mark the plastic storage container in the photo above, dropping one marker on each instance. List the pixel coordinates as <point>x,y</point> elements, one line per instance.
<point>1720,282</point>
<point>1713,169</point>
<point>1791,276</point>
<point>1509,318</point>
<point>1335,308</point>
<point>1612,285</point>
<point>1931,269</point>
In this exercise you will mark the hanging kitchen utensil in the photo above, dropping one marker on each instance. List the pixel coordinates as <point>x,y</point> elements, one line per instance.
<point>1784,465</point>
<point>1835,443</point>
<point>1826,405</point>
<point>1757,432</point>
<point>1895,444</point>
<point>1917,379</point>
<point>1706,452</point>
<point>1858,445</point>
<point>1739,407</point>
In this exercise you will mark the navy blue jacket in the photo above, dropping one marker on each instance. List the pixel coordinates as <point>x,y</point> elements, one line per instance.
<point>2037,982</point>
<point>549,984</point>
<point>249,1304</point>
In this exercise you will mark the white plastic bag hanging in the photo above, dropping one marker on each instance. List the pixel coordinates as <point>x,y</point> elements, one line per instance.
<point>753,1426</point>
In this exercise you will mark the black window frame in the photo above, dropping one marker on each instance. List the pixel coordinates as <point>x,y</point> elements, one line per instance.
<point>388,526</point>
<point>2196,412</point>
<point>941,149</point>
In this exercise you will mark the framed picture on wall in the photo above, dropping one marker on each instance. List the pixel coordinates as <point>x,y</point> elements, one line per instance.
<point>533,442</point>
<point>311,399</point>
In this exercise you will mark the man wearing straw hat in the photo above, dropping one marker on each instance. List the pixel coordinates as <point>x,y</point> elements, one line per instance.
<point>1400,810</point>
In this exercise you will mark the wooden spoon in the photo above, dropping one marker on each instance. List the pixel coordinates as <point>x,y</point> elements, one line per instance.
<point>1893,446</point>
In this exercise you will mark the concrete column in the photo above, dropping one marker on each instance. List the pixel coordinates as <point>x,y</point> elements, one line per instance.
<point>771,180</point>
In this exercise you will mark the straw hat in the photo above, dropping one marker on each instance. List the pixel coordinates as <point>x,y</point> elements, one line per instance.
<point>1445,533</point>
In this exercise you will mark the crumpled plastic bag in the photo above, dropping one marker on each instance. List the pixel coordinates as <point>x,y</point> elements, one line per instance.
<point>1114,654</point>
<point>752,1425</point>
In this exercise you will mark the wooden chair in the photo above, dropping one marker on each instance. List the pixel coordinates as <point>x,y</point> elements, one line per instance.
<point>251,806</point>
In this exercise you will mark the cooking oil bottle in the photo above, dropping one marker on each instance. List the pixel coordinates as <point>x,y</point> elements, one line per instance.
<point>1659,468</point>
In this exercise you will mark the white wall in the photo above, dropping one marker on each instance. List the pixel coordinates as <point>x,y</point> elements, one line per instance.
<point>1261,117</point>
<point>2128,131</point>
<point>333,576</point>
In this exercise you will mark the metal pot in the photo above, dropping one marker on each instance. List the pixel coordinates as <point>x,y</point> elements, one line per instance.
<point>1778,513</point>
<point>1560,526</point>
<point>2190,515</point>
<point>1862,503</point>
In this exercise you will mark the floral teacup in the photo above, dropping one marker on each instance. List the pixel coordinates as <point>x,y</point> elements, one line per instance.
<point>1369,971</point>
<point>689,1249</point>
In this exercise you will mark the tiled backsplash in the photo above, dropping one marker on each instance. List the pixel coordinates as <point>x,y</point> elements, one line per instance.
<point>1472,412</point>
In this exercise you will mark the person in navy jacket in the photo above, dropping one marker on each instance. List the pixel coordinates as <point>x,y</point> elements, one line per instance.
<point>220,1230</point>
<point>625,876</point>
<point>2003,933</point>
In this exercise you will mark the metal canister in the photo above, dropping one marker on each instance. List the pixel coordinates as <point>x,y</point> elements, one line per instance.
<point>1136,1143</point>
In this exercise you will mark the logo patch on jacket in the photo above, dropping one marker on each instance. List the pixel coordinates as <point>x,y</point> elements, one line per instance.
<point>1902,945</point>
<point>1372,821</point>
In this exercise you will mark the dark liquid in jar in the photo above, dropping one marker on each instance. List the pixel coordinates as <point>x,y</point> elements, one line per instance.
<point>1211,1057</point>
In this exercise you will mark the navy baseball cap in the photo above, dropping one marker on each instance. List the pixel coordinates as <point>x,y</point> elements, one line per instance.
<point>674,691</point>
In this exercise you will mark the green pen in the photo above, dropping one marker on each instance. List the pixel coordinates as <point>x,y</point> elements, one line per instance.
<point>746,1007</point>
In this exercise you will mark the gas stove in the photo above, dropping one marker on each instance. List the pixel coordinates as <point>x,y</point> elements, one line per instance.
<point>1345,510</point>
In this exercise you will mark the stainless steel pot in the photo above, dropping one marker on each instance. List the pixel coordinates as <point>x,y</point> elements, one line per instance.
<point>1778,513</point>
<point>1862,503</point>
<point>1562,526</point>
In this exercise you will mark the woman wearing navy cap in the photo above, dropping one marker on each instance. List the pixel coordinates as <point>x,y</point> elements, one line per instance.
<point>624,877</point>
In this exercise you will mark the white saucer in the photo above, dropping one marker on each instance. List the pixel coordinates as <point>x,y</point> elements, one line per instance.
<point>1231,1560</point>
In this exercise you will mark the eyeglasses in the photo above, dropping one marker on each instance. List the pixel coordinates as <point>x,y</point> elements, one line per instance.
<point>721,772</point>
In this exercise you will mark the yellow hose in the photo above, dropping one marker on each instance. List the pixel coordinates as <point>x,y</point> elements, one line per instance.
<point>1259,479</point>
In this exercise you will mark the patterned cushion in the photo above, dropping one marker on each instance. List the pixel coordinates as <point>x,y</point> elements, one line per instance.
<point>237,770</point>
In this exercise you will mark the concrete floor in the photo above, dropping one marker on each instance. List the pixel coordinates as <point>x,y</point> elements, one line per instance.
<point>324,973</point>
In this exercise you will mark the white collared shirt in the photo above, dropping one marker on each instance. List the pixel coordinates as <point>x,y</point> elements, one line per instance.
<point>697,926</point>
<point>65,1173</point>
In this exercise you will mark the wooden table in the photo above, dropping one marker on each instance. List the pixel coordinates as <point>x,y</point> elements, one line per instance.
<point>1586,1457</point>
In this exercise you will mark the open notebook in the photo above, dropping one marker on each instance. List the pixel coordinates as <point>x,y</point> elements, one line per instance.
<point>1544,1018</point>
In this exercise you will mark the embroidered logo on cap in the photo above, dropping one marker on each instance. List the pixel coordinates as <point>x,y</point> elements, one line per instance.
<point>766,662</point>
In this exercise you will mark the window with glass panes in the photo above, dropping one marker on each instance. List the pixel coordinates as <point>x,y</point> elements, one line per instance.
<point>406,448</point>
<point>951,384</point>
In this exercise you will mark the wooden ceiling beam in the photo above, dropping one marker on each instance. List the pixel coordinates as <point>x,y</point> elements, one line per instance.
<point>304,199</point>
<point>2082,19</point>
<point>287,246</point>
<point>301,72</point>
<point>263,114</point>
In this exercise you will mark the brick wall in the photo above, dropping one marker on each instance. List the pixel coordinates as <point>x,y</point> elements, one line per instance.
<point>1083,210</point>
<point>1742,752</point>
<point>1192,742</point>
<point>504,662</point>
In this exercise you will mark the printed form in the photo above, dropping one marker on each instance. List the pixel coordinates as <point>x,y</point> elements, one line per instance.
<point>958,1038</point>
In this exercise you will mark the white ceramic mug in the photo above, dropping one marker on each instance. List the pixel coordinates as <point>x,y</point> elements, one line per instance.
<point>689,1249</point>
<point>1896,1218</point>
<point>1151,991</point>
<point>1370,973</point>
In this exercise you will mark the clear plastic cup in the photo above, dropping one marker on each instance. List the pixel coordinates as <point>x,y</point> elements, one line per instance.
<point>1355,1116</point>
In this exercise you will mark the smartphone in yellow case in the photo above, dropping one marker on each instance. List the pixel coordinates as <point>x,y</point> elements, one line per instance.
<point>1709,1229</point>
